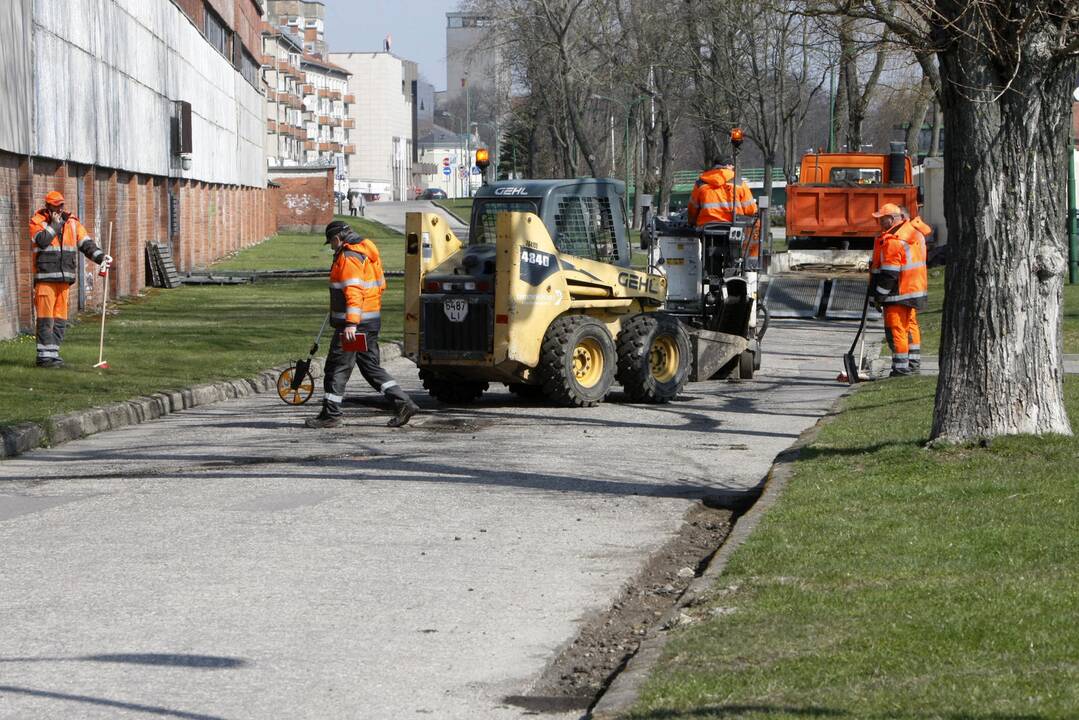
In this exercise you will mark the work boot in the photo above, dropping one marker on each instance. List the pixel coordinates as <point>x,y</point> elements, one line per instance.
<point>50,363</point>
<point>900,373</point>
<point>322,420</point>
<point>405,411</point>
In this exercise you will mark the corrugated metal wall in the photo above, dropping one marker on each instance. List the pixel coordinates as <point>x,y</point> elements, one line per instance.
<point>105,76</point>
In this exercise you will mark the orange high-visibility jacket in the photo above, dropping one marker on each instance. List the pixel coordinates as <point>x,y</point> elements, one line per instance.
<point>56,245</point>
<point>901,278</point>
<point>356,284</point>
<point>715,198</point>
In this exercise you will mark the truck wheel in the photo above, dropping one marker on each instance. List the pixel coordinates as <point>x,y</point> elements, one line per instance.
<point>577,362</point>
<point>451,390</point>
<point>653,357</point>
<point>746,365</point>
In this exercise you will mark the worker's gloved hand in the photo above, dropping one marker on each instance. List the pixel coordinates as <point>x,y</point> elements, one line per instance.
<point>349,333</point>
<point>106,263</point>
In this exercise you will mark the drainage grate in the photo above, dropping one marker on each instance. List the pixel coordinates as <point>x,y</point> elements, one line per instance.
<point>846,300</point>
<point>794,297</point>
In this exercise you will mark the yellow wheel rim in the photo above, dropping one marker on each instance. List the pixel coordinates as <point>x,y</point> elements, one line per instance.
<point>663,358</point>
<point>298,396</point>
<point>588,362</point>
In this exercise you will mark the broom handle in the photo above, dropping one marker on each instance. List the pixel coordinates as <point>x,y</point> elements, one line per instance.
<point>104,302</point>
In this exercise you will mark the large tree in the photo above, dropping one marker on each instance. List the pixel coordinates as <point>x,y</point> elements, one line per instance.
<point>1007,69</point>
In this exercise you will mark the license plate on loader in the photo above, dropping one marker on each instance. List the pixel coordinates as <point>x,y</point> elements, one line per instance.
<point>456,309</point>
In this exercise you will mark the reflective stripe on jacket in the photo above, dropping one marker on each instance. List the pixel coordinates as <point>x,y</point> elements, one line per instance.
<point>356,284</point>
<point>902,277</point>
<point>55,247</point>
<point>715,198</point>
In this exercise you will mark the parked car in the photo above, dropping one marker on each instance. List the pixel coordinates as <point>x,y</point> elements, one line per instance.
<point>433,194</point>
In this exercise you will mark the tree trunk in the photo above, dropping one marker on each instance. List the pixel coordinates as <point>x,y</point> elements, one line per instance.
<point>1004,199</point>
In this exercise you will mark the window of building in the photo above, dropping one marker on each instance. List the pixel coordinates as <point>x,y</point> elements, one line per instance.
<point>217,32</point>
<point>454,22</point>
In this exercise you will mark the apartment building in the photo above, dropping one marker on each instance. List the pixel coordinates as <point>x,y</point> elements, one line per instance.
<point>327,102</point>
<point>155,127</point>
<point>380,161</point>
<point>286,127</point>
<point>307,18</point>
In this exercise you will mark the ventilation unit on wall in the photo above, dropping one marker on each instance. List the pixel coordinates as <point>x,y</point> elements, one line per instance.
<point>181,133</point>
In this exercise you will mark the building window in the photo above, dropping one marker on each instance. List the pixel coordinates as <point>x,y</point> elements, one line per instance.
<point>454,22</point>
<point>217,32</point>
<point>249,68</point>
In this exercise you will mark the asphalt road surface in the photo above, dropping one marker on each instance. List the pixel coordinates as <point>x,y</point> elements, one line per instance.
<point>226,562</point>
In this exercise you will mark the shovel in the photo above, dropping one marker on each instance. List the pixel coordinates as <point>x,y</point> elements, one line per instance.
<point>101,362</point>
<point>295,384</point>
<point>850,363</point>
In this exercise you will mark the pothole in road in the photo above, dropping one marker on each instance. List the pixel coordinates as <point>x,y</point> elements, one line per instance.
<point>453,425</point>
<point>607,641</point>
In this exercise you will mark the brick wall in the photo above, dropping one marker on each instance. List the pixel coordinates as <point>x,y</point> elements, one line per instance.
<point>214,220</point>
<point>304,200</point>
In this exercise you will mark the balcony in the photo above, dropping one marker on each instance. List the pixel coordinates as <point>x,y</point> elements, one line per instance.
<point>268,61</point>
<point>326,147</point>
<point>271,126</point>
<point>349,149</point>
<point>282,66</point>
<point>308,89</point>
<point>310,145</point>
<point>350,99</point>
<point>324,92</point>
<point>325,120</point>
<point>348,124</point>
<point>295,102</point>
<point>335,94</point>
<point>335,147</point>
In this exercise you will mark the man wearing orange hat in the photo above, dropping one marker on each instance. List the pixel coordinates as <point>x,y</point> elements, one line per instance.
<point>56,236</point>
<point>898,283</point>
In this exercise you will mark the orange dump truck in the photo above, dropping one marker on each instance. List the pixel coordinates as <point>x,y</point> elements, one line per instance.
<point>830,208</point>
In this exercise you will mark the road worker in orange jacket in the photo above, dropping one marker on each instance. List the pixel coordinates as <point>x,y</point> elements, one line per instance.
<point>57,236</point>
<point>356,286</point>
<point>715,197</point>
<point>915,230</point>
<point>898,284</point>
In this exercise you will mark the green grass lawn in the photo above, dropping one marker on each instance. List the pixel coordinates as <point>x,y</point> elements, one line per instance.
<point>461,207</point>
<point>929,320</point>
<point>308,252</point>
<point>891,581</point>
<point>168,339</point>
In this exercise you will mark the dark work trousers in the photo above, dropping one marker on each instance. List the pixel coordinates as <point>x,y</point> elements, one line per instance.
<point>339,366</point>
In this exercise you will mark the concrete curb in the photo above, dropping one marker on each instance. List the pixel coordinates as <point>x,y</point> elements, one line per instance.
<point>23,437</point>
<point>623,692</point>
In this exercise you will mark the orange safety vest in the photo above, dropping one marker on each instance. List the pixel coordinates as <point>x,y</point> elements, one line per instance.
<point>55,248</point>
<point>715,198</point>
<point>356,284</point>
<point>902,278</point>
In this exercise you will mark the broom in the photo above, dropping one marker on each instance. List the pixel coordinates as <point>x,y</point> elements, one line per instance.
<point>101,363</point>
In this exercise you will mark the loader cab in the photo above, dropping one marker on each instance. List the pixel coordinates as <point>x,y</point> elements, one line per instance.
<point>585,217</point>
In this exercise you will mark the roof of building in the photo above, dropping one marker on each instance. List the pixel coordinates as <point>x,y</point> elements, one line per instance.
<point>317,61</point>
<point>439,135</point>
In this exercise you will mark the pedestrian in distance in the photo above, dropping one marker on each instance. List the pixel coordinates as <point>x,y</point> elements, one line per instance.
<point>897,284</point>
<point>352,204</point>
<point>356,286</point>
<point>56,236</point>
<point>361,204</point>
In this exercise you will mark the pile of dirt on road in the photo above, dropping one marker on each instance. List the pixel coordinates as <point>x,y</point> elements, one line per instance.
<point>582,671</point>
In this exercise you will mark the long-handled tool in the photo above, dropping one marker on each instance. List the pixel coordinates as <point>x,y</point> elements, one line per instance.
<point>105,301</point>
<point>850,363</point>
<point>295,385</point>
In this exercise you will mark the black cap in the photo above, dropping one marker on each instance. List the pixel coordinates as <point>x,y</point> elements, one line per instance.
<point>335,228</point>
<point>721,161</point>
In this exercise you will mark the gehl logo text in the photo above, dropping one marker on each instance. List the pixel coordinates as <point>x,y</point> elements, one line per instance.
<point>632,281</point>
<point>510,191</point>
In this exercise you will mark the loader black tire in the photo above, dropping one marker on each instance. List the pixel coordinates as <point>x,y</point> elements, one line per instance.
<point>653,357</point>
<point>577,361</point>
<point>450,389</point>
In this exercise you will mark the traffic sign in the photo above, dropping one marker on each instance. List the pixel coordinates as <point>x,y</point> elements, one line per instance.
<point>445,162</point>
<point>475,170</point>
<point>447,171</point>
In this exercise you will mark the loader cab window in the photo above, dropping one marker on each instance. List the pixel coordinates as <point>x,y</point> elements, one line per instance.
<point>584,226</point>
<point>485,214</point>
<point>855,176</point>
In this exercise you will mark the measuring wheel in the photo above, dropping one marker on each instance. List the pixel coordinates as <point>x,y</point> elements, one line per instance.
<point>295,388</point>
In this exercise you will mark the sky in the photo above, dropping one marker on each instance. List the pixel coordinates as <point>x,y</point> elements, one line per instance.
<point>417,27</point>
